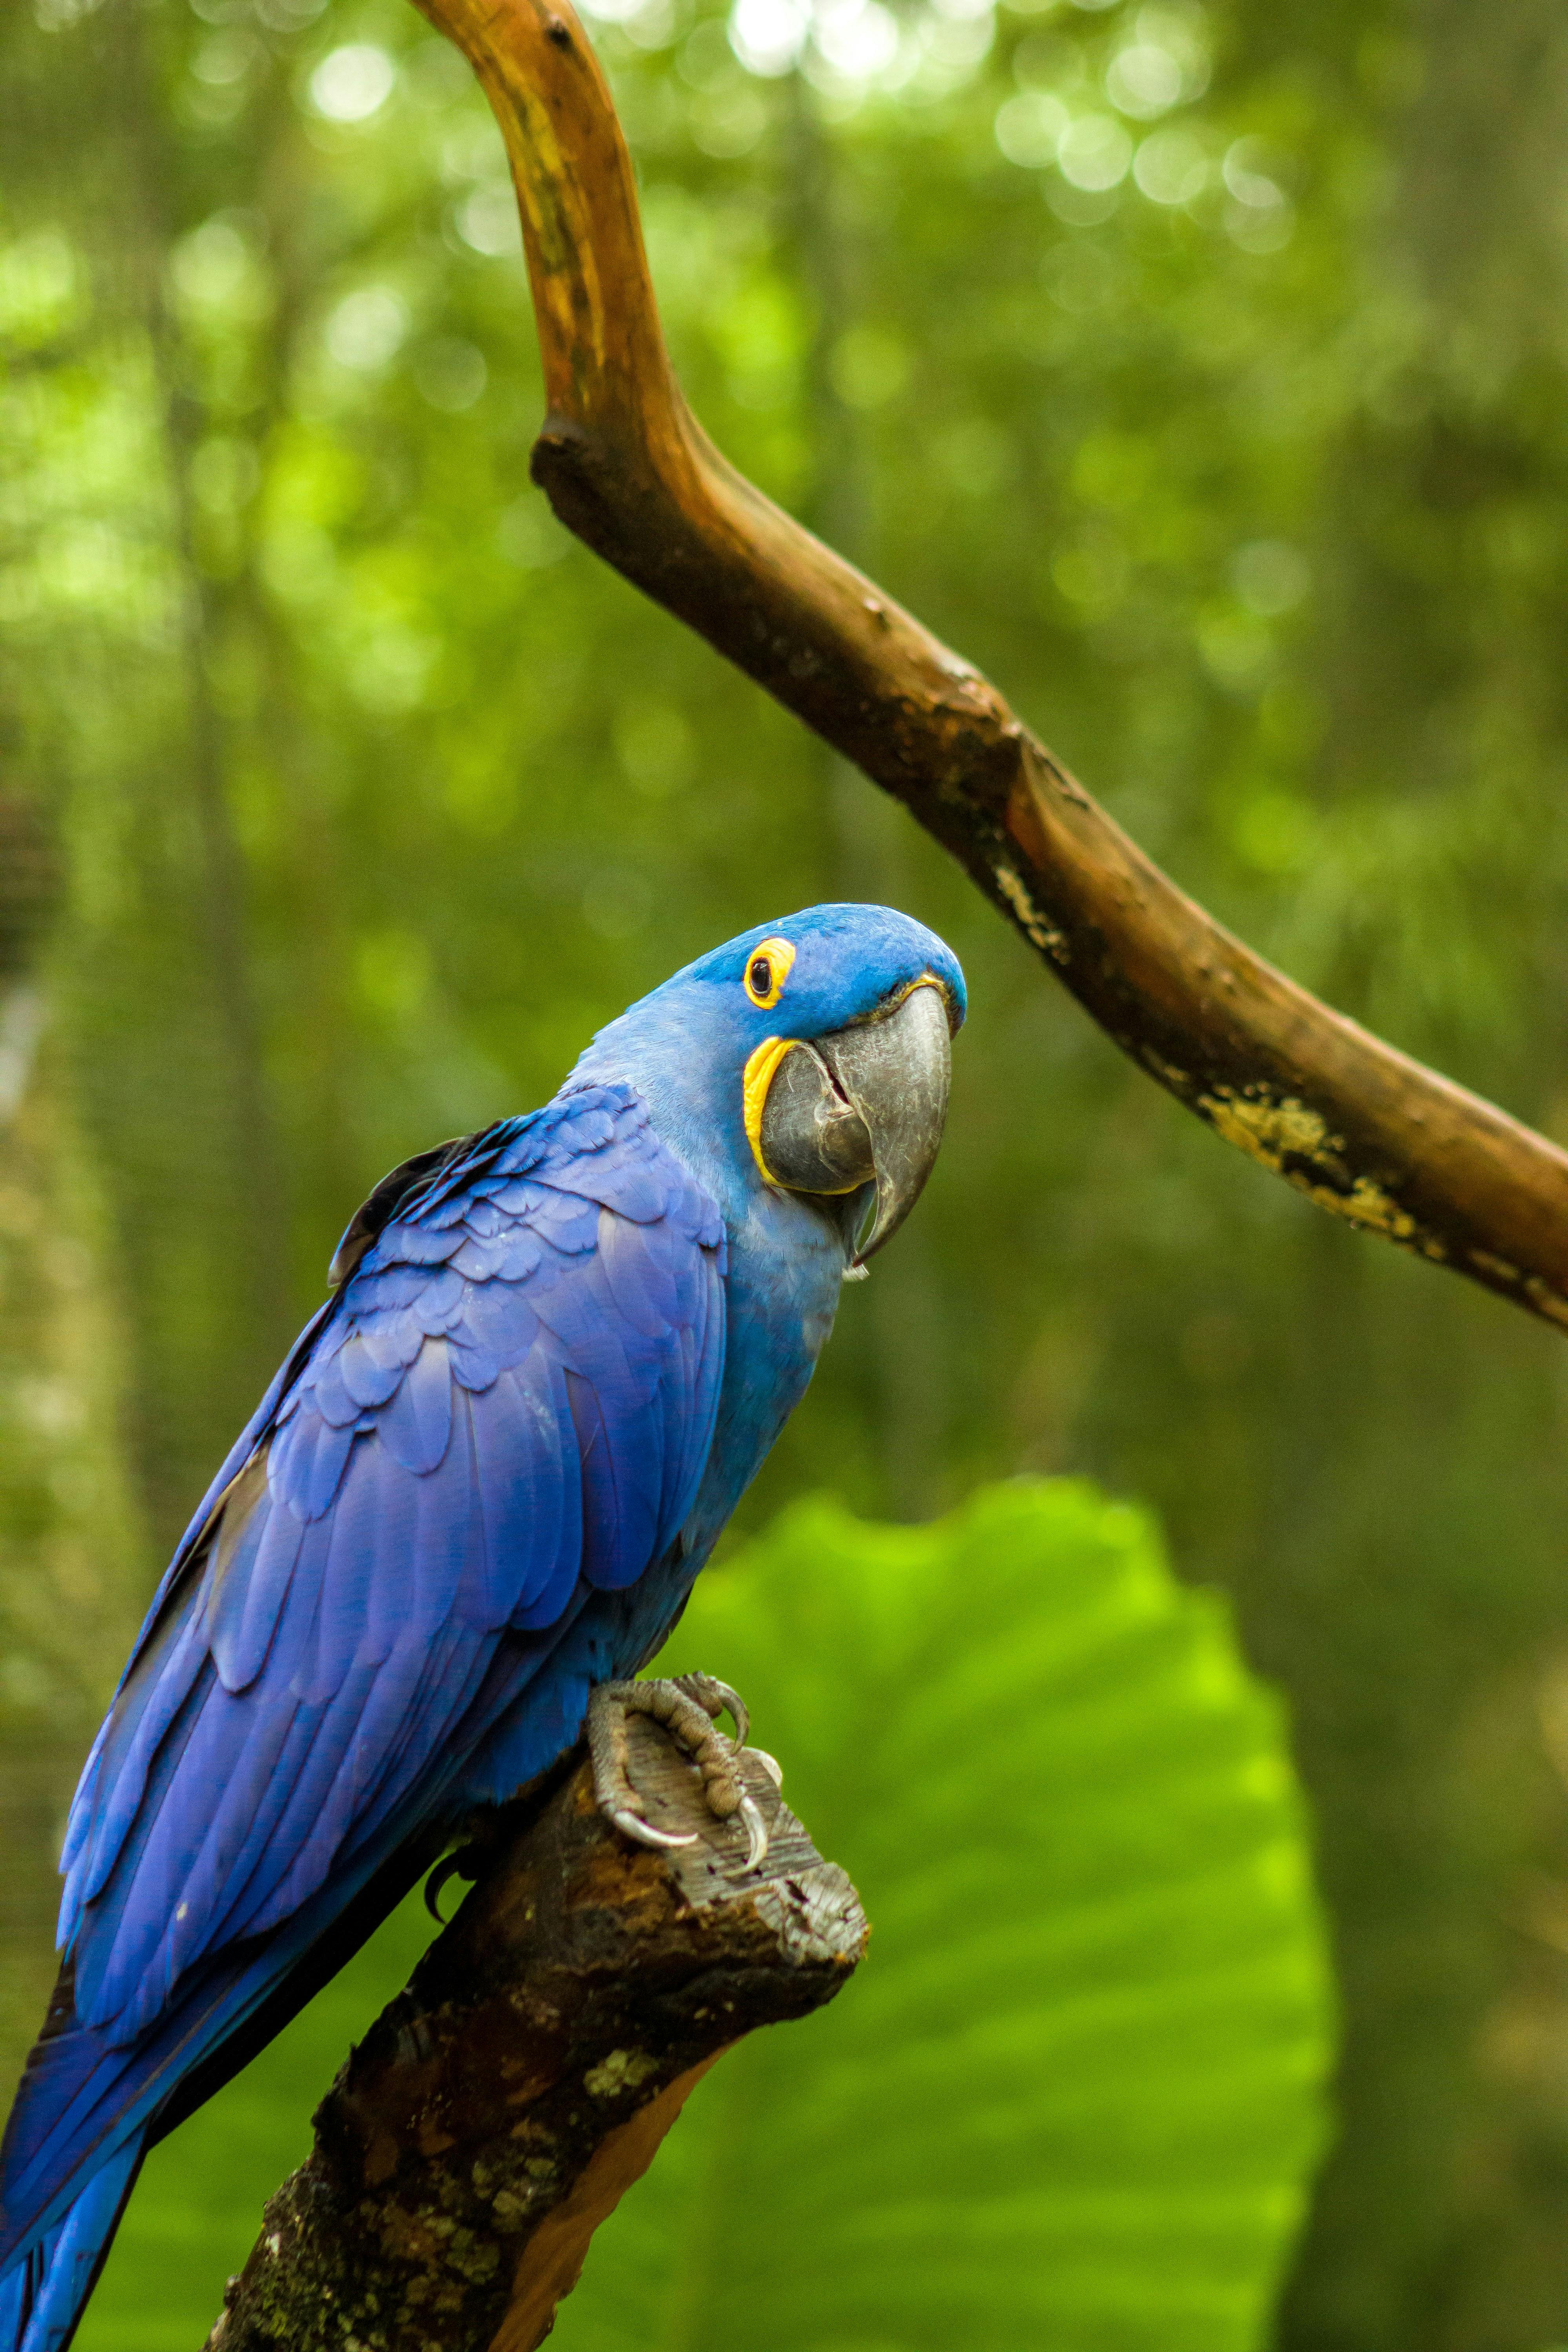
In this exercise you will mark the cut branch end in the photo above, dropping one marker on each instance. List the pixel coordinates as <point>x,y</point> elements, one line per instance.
<point>498,2109</point>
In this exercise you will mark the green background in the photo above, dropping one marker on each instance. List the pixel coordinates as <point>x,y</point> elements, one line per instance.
<point>343,797</point>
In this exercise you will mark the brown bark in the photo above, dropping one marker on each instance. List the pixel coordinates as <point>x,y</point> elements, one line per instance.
<point>1366,1133</point>
<point>498,2109</point>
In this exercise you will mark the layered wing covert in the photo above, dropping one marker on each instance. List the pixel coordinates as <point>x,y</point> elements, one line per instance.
<point>510,1404</point>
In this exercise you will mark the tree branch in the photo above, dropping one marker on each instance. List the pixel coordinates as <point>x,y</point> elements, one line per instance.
<point>1366,1133</point>
<point>497,2111</point>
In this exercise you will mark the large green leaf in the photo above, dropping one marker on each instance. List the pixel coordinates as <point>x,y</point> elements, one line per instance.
<point>1073,2096</point>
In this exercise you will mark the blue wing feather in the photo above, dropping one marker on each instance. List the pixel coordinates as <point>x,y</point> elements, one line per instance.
<point>514,1397</point>
<point>246,1598</point>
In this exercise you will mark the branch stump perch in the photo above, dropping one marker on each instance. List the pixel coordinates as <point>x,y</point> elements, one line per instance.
<point>500,2106</point>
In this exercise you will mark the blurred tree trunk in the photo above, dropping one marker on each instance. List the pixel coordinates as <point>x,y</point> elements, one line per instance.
<point>156,994</point>
<point>143,1293</point>
<point>1439,2222</point>
<point>70,1549</point>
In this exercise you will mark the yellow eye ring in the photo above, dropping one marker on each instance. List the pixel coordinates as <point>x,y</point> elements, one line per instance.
<point>767,969</point>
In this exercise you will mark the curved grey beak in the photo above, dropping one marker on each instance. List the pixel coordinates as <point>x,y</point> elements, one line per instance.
<point>863,1107</point>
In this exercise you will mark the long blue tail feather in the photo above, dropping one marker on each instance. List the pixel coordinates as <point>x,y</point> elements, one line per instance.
<point>83,2100</point>
<point>86,2102</point>
<point>83,2103</point>
<point>43,2295</point>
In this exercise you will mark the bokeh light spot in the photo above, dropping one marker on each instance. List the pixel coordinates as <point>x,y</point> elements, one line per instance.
<point>353,83</point>
<point>1094,153</point>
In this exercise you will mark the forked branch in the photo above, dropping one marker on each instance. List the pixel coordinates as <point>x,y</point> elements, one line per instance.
<point>1367,1132</point>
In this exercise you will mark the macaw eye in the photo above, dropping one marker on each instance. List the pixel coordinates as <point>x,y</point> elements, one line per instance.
<point>767,971</point>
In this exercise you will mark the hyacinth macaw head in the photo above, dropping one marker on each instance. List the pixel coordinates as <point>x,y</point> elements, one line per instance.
<point>808,1057</point>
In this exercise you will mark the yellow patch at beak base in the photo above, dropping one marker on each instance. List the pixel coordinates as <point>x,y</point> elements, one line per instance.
<point>759,1069</point>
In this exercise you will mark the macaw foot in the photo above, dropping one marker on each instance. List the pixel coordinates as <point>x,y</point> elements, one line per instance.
<point>689,1708</point>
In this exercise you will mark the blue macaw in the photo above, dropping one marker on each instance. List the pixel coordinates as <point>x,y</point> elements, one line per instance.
<point>467,1511</point>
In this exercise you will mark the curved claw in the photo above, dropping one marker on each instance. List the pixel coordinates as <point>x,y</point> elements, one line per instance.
<point>735,1706</point>
<point>449,1867</point>
<point>770,1765</point>
<point>718,1698</point>
<point>756,1832</point>
<point>643,1832</point>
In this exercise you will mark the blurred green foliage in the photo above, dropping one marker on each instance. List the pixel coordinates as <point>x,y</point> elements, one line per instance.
<point>1072,2096</point>
<point>1195,365</point>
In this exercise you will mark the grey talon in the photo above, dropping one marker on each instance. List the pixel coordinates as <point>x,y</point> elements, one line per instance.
<point>632,1825</point>
<point>717,1698</point>
<point>770,1765</point>
<point>687,1708</point>
<point>739,1715</point>
<point>756,1832</point>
